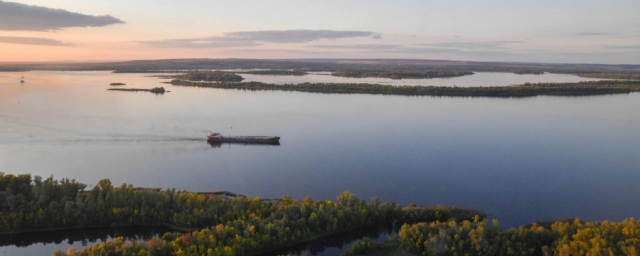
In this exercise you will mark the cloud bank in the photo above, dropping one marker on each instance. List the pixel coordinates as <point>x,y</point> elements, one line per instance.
<point>496,48</point>
<point>16,16</point>
<point>495,45</point>
<point>490,47</point>
<point>625,47</point>
<point>32,41</point>
<point>257,38</point>
<point>359,46</point>
<point>593,34</point>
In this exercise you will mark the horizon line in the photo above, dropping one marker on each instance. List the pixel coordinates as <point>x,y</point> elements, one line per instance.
<point>302,59</point>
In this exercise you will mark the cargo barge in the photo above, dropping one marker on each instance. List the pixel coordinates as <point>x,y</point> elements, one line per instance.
<point>215,137</point>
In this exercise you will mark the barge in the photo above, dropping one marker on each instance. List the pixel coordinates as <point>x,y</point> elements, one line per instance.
<point>215,137</point>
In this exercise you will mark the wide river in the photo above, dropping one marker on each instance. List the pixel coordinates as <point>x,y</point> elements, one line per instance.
<point>520,159</point>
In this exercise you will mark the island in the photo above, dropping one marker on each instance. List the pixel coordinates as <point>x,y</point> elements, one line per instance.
<point>613,75</point>
<point>528,72</point>
<point>156,90</point>
<point>117,84</point>
<point>212,76</point>
<point>275,72</point>
<point>400,74</point>
<point>525,90</point>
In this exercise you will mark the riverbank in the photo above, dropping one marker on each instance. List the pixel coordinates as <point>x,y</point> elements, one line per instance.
<point>242,225</point>
<point>80,229</point>
<point>212,223</point>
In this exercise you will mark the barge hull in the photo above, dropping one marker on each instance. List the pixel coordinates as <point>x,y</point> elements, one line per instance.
<point>268,140</point>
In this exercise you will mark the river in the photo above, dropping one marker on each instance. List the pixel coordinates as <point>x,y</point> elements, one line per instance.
<point>520,159</point>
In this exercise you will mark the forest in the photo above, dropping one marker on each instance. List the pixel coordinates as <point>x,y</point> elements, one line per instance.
<point>274,72</point>
<point>560,238</point>
<point>400,74</point>
<point>211,76</point>
<point>231,76</point>
<point>206,224</point>
<point>479,237</point>
<point>613,75</point>
<point>525,90</point>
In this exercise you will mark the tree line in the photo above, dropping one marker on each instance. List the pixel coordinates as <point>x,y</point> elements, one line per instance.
<point>275,72</point>
<point>251,226</point>
<point>479,237</point>
<point>525,90</point>
<point>400,74</point>
<point>562,238</point>
<point>212,76</point>
<point>613,75</point>
<point>223,226</point>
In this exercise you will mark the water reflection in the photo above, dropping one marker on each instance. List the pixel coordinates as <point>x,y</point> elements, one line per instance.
<point>79,238</point>
<point>332,245</point>
<point>335,245</point>
<point>477,79</point>
<point>520,159</point>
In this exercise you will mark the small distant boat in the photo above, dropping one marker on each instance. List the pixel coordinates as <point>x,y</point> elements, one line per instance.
<point>22,80</point>
<point>215,137</point>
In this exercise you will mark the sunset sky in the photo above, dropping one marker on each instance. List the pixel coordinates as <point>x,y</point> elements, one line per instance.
<point>557,31</point>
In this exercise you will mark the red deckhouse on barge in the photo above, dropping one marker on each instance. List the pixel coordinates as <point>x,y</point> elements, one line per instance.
<point>217,137</point>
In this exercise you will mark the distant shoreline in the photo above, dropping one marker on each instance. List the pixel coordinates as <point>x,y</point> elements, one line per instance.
<point>389,68</point>
<point>526,90</point>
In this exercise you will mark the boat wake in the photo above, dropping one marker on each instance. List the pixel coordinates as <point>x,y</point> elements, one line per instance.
<point>101,140</point>
<point>129,139</point>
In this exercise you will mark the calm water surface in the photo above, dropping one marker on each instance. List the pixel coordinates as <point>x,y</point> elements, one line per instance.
<point>45,243</point>
<point>478,79</point>
<point>521,160</point>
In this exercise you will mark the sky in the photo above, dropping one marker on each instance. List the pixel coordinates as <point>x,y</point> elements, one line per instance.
<point>551,31</point>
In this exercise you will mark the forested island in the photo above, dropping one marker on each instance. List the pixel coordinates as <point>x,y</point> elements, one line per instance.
<point>400,74</point>
<point>232,76</point>
<point>528,72</point>
<point>156,90</point>
<point>212,76</point>
<point>207,224</point>
<point>204,223</point>
<point>274,72</point>
<point>525,90</point>
<point>13,69</point>
<point>117,84</point>
<point>613,75</point>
